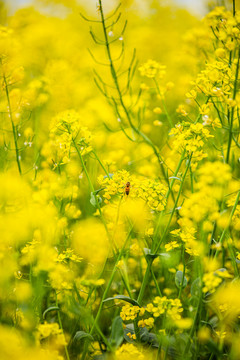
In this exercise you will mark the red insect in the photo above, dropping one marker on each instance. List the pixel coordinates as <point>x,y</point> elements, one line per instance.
<point>127,188</point>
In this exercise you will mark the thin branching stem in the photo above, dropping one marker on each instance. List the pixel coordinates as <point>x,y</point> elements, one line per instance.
<point>127,113</point>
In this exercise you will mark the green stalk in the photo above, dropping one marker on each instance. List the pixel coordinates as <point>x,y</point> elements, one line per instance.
<point>233,259</point>
<point>184,268</point>
<point>230,219</point>
<point>198,310</point>
<point>232,111</point>
<point>136,329</point>
<point>167,197</point>
<point>156,283</point>
<point>15,135</point>
<point>150,261</point>
<point>93,192</point>
<point>163,103</point>
<point>191,177</point>
<point>101,164</point>
<point>174,206</point>
<point>105,293</point>
<point>61,327</point>
<point>145,281</point>
<point>193,327</point>
<point>85,170</point>
<point>109,346</point>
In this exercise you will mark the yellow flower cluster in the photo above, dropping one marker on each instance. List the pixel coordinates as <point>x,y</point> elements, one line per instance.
<point>226,302</point>
<point>187,236</point>
<point>67,255</point>
<point>130,312</point>
<point>225,26</point>
<point>153,192</point>
<point>236,218</point>
<point>203,205</point>
<point>61,277</point>
<point>172,308</point>
<point>90,241</point>
<point>215,80</point>
<point>14,345</point>
<point>190,137</point>
<point>213,279</point>
<point>151,69</point>
<point>52,332</point>
<point>211,282</point>
<point>65,128</point>
<point>149,322</point>
<point>200,207</point>
<point>66,122</point>
<point>129,351</point>
<point>214,178</point>
<point>171,245</point>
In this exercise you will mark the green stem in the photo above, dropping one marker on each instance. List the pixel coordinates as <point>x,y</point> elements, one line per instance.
<point>105,293</point>
<point>191,177</point>
<point>174,206</point>
<point>167,197</point>
<point>85,170</point>
<point>61,327</point>
<point>109,346</point>
<point>150,261</point>
<point>93,192</point>
<point>230,219</point>
<point>163,103</point>
<point>233,259</point>
<point>15,135</point>
<point>193,327</point>
<point>100,162</point>
<point>183,275</point>
<point>115,79</point>
<point>166,351</point>
<point>136,329</point>
<point>145,281</point>
<point>232,111</point>
<point>156,283</point>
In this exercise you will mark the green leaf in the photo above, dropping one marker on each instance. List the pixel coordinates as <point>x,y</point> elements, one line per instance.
<point>97,191</point>
<point>212,346</point>
<point>149,255</point>
<point>110,175</point>
<point>82,335</point>
<point>175,178</point>
<point>52,308</point>
<point>129,329</point>
<point>214,321</point>
<point>222,270</point>
<point>179,279</point>
<point>153,340</point>
<point>117,333</point>
<point>124,298</point>
<point>94,198</point>
<point>196,287</point>
<point>144,335</point>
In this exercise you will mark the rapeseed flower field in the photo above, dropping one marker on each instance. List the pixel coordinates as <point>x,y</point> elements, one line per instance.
<point>119,182</point>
